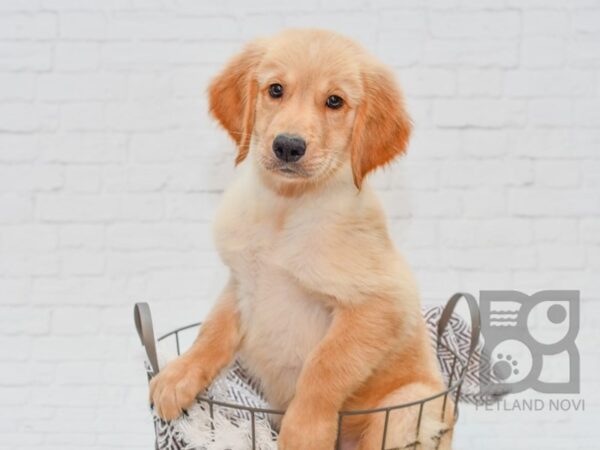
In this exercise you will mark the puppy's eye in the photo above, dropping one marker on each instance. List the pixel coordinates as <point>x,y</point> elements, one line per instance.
<point>276,90</point>
<point>334,102</point>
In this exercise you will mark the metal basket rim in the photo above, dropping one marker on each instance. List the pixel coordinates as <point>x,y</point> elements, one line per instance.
<point>453,386</point>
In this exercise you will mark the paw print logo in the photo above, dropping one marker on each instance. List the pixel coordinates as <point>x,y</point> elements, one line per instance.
<point>529,338</point>
<point>505,367</point>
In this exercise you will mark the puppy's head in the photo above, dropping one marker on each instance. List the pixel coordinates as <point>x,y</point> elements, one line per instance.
<point>306,102</point>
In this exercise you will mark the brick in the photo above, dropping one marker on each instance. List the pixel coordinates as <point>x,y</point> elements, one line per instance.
<point>75,321</point>
<point>499,25</point>
<point>78,262</point>
<point>415,175</point>
<point>553,202</point>
<point>15,209</point>
<point>590,231</point>
<point>26,117</point>
<point>80,25</point>
<point>591,173</point>
<point>25,178</point>
<point>134,26</point>
<point>80,5</point>
<point>153,86</point>
<point>415,233</point>
<point>408,23</point>
<point>24,6</point>
<point>255,25</point>
<point>84,348</point>
<point>83,179</point>
<point>556,230</point>
<point>436,204</point>
<point>190,81</point>
<point>28,238</point>
<point>490,258</point>
<point>79,373</point>
<point>15,291</point>
<point>486,143</point>
<point>56,291</point>
<point>480,82</point>
<point>473,52</point>
<point>17,56</point>
<point>396,52</point>
<point>357,25</point>
<point>19,117</point>
<point>86,117</point>
<point>273,5</point>
<point>545,22</point>
<point>22,26</point>
<point>557,174</point>
<point>119,373</point>
<point>140,237</point>
<point>584,53</point>
<point>479,113</point>
<point>429,82</point>
<point>585,142</point>
<point>543,52</point>
<point>180,283</point>
<point>587,113</point>
<point>17,148</point>
<point>501,232</point>
<point>24,320</point>
<point>139,116</point>
<point>29,264</point>
<point>485,173</point>
<point>144,261</point>
<point>420,109</point>
<point>458,233</point>
<point>148,178</point>
<point>551,143</point>
<point>15,348</point>
<point>142,207</point>
<point>76,208</point>
<point>16,86</point>
<point>200,207</point>
<point>58,87</point>
<point>76,56</point>
<point>434,144</point>
<point>540,83</point>
<point>484,202</point>
<point>127,55</point>
<point>81,236</point>
<point>85,148</point>
<point>549,112</point>
<point>24,374</point>
<point>561,256</point>
<point>586,22</point>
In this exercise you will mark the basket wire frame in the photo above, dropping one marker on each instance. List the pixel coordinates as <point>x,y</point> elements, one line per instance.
<point>454,383</point>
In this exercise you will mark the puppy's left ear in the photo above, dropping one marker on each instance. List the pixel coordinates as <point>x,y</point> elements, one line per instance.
<point>232,96</point>
<point>382,126</point>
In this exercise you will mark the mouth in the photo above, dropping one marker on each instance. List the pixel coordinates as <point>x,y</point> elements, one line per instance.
<point>288,170</point>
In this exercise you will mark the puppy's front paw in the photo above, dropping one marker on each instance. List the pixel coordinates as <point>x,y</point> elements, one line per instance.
<point>175,388</point>
<point>301,430</point>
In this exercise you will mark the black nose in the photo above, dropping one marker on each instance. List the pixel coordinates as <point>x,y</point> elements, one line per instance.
<point>288,147</point>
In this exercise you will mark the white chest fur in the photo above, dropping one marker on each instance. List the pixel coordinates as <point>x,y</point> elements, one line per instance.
<point>281,321</point>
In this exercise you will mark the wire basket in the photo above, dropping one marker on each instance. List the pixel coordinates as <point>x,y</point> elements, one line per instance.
<point>456,369</point>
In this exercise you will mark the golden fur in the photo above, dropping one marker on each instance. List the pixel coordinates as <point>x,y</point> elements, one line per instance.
<point>320,306</point>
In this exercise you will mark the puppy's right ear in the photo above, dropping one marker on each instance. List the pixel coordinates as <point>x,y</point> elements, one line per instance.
<point>232,96</point>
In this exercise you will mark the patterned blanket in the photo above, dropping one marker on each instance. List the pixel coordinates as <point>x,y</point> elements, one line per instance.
<point>212,427</point>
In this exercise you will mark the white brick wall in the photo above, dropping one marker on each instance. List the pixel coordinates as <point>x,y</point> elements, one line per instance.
<point>110,171</point>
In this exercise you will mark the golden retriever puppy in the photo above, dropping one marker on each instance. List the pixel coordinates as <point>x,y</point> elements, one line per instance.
<point>319,306</point>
